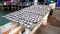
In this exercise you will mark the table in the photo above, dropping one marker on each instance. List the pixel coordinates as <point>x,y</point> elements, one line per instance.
<point>30,18</point>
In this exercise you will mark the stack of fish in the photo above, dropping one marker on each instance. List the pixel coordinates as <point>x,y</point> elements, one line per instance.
<point>28,16</point>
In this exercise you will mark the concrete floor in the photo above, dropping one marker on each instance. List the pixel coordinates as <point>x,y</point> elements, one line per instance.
<point>53,26</point>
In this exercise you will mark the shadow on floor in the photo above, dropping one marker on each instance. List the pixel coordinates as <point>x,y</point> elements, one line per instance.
<point>53,21</point>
